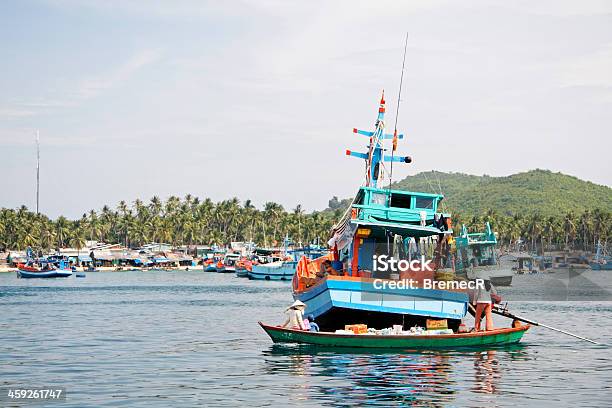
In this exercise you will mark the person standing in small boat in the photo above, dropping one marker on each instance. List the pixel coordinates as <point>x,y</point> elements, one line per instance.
<point>295,316</point>
<point>484,297</point>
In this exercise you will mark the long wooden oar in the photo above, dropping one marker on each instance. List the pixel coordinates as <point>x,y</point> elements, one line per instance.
<point>505,313</point>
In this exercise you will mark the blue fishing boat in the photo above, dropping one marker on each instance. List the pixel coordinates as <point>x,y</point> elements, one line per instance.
<point>242,272</point>
<point>210,265</point>
<point>32,270</point>
<point>403,225</point>
<point>477,257</point>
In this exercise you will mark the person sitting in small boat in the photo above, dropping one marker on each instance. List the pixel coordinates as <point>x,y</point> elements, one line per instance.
<point>312,326</point>
<point>295,316</point>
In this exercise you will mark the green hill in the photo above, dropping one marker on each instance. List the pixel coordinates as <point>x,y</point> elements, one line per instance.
<point>535,191</point>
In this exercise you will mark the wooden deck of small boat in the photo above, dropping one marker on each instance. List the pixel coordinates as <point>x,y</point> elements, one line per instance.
<point>495,337</point>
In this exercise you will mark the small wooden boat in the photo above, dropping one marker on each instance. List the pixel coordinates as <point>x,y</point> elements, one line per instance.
<point>497,337</point>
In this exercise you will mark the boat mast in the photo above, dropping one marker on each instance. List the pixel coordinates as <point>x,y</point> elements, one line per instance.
<point>399,95</point>
<point>375,156</point>
<point>37,171</point>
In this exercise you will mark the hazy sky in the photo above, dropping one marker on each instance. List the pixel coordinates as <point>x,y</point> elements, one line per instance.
<point>257,99</point>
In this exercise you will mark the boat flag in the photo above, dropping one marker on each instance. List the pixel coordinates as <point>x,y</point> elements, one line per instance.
<point>395,140</point>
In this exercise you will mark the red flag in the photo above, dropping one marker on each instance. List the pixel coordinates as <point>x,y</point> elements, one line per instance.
<point>395,140</point>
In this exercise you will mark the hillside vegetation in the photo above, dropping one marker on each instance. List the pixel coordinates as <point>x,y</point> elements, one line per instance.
<point>544,209</point>
<point>536,191</point>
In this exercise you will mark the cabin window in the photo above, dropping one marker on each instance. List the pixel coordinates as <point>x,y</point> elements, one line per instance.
<point>379,198</point>
<point>400,200</point>
<point>359,199</point>
<point>425,203</point>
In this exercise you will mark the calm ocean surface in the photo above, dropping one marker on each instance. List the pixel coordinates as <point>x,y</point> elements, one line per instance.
<point>161,339</point>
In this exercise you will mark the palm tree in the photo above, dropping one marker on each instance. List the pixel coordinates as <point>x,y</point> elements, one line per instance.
<point>298,211</point>
<point>569,228</point>
<point>534,228</point>
<point>62,229</point>
<point>77,239</point>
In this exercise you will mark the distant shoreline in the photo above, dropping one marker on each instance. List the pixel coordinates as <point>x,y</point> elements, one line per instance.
<point>115,269</point>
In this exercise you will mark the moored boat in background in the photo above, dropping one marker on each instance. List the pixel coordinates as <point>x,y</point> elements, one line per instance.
<point>602,260</point>
<point>569,264</point>
<point>243,267</point>
<point>31,270</point>
<point>228,264</point>
<point>210,265</point>
<point>477,257</point>
<point>278,270</point>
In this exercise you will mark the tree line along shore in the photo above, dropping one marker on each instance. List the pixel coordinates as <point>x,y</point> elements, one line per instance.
<point>190,221</point>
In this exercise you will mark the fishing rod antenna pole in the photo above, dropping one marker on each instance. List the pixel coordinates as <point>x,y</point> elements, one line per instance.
<point>399,95</point>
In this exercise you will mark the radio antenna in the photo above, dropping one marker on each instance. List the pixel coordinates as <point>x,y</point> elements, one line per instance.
<point>37,171</point>
<point>399,95</point>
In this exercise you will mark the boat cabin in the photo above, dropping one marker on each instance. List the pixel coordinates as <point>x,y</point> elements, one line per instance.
<point>377,204</point>
<point>476,249</point>
<point>231,259</point>
<point>399,224</point>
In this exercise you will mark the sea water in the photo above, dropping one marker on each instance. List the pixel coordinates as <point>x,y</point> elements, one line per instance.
<point>168,338</point>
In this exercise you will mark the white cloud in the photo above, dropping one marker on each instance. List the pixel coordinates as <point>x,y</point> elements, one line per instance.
<point>593,69</point>
<point>91,87</point>
<point>72,92</point>
<point>15,112</point>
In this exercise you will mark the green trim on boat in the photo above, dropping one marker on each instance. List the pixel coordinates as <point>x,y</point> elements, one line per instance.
<point>495,337</point>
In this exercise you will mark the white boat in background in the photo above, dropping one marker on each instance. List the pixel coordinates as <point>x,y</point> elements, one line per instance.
<point>279,270</point>
<point>228,265</point>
